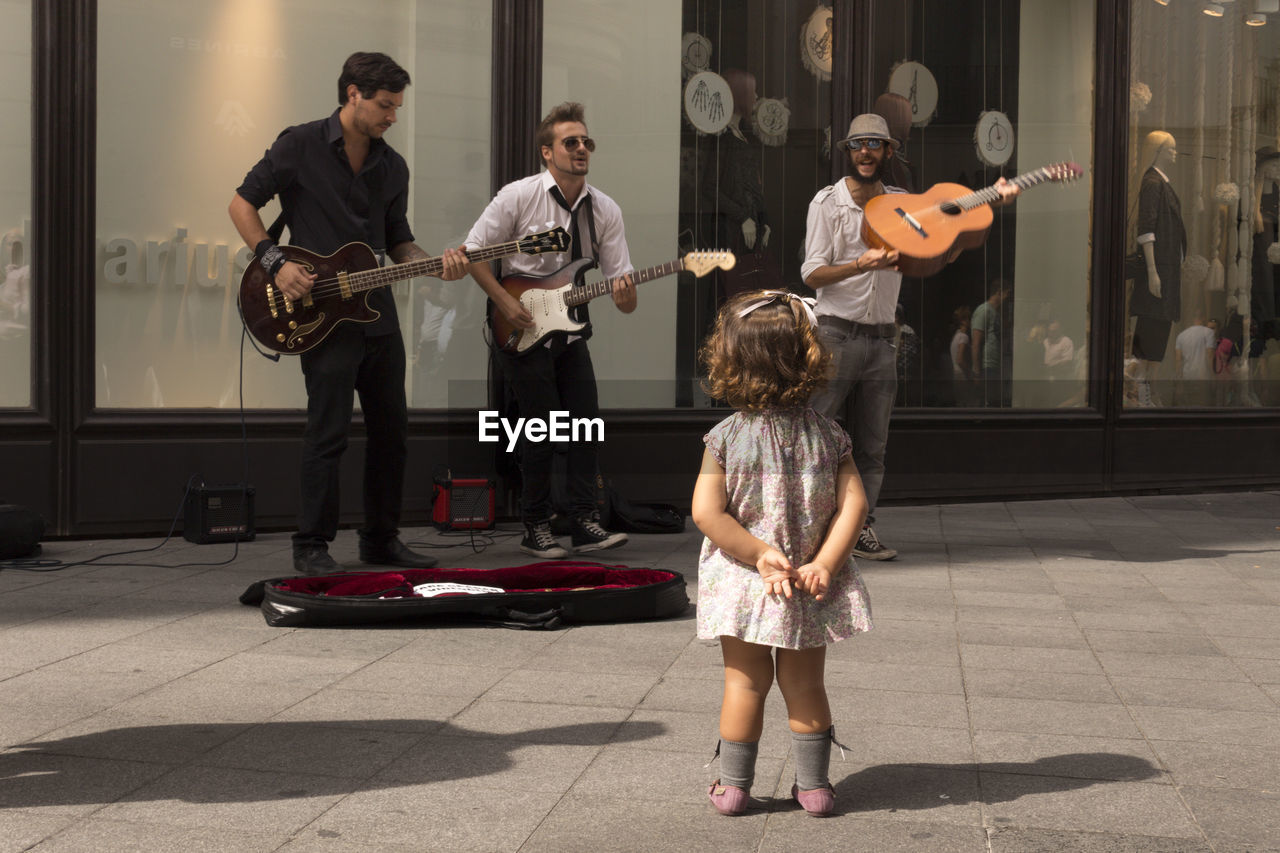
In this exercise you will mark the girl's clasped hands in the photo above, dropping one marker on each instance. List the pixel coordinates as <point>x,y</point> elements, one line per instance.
<point>779,576</point>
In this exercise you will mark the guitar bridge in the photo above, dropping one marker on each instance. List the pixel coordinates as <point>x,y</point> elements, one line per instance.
<point>271,302</point>
<point>913,222</point>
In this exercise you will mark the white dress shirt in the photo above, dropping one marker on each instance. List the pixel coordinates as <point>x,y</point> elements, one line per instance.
<point>833,236</point>
<point>526,207</point>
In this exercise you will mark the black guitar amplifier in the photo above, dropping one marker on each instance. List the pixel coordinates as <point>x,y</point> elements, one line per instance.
<point>218,514</point>
<point>462,504</point>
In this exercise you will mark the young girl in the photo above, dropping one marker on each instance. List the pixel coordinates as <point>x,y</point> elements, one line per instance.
<point>781,505</point>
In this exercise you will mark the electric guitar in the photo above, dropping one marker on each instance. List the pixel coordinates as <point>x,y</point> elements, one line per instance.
<point>548,298</point>
<point>924,227</point>
<point>343,282</point>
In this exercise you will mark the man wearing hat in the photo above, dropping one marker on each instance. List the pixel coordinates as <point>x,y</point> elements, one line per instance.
<point>857,293</point>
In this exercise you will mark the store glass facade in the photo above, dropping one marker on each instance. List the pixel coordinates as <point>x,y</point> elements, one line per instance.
<point>1007,324</point>
<point>190,96</point>
<point>1202,274</point>
<point>723,143</point>
<point>15,205</point>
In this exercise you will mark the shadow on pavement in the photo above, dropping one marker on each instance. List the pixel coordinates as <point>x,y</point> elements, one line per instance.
<point>272,761</point>
<point>899,787</point>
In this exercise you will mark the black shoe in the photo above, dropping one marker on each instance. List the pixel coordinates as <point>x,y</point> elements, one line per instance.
<point>314,560</point>
<point>588,535</point>
<point>393,552</point>
<point>868,546</point>
<point>538,542</point>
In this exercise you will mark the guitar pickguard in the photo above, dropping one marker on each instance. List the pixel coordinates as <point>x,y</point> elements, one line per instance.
<point>550,314</point>
<point>298,336</point>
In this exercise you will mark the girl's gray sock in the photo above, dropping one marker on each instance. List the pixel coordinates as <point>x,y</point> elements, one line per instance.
<point>811,754</point>
<point>738,763</point>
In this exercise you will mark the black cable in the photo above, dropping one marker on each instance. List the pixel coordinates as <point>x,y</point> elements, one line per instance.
<point>30,564</point>
<point>44,565</point>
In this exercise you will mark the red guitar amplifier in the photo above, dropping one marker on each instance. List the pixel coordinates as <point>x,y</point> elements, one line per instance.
<point>462,504</point>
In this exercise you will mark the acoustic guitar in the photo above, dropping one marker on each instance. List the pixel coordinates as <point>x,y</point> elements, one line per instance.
<point>343,283</point>
<point>925,227</point>
<point>548,298</point>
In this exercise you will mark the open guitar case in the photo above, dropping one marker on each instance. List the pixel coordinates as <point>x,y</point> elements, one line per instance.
<point>543,596</point>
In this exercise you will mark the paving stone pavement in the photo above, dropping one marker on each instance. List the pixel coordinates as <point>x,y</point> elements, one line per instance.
<point>1067,675</point>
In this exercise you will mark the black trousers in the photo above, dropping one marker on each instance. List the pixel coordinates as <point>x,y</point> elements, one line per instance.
<point>545,379</point>
<point>346,363</point>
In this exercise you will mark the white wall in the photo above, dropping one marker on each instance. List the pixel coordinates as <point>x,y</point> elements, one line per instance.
<point>1055,123</point>
<point>621,59</point>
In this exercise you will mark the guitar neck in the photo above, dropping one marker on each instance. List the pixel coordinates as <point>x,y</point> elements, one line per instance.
<point>383,276</point>
<point>991,194</point>
<point>580,295</point>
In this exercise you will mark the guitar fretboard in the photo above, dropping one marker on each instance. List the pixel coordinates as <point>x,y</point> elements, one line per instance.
<point>579,295</point>
<point>382,276</point>
<point>991,194</point>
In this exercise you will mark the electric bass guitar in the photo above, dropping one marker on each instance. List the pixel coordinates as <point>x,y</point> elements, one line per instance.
<point>924,228</point>
<point>548,298</point>
<point>343,282</point>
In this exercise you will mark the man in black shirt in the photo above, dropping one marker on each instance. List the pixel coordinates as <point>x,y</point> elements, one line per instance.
<point>339,182</point>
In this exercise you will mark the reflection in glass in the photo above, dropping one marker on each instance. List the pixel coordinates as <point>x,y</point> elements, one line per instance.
<point>221,80</point>
<point>1202,242</point>
<point>15,206</point>
<point>1006,324</point>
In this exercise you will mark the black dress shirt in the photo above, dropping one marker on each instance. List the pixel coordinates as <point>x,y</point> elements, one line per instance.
<point>326,205</point>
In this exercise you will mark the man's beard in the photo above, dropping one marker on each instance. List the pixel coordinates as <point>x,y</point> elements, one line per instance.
<point>882,169</point>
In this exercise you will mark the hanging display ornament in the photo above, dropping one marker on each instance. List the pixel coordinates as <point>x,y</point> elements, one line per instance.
<point>708,102</point>
<point>695,53</point>
<point>993,137</point>
<point>914,82</point>
<point>817,43</point>
<point>770,120</point>
<point>1139,97</point>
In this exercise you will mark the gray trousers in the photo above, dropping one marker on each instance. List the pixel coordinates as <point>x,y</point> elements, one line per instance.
<point>862,390</point>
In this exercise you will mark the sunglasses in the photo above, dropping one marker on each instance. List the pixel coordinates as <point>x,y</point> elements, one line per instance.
<point>571,143</point>
<point>859,144</point>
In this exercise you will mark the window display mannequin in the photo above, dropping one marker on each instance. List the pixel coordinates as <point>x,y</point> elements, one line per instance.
<point>1162,241</point>
<point>1265,219</point>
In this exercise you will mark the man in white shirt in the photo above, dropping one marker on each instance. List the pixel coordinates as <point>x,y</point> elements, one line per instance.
<point>558,375</point>
<point>857,293</point>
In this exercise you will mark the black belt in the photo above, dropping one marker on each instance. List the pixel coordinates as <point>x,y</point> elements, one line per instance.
<point>866,330</point>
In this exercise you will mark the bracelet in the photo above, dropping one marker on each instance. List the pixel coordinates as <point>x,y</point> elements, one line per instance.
<point>270,256</point>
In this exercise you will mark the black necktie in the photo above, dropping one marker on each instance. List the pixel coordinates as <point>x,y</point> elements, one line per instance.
<point>575,249</point>
<point>580,314</point>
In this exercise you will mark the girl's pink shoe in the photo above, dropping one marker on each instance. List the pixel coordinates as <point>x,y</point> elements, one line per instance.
<point>818,803</point>
<point>728,799</point>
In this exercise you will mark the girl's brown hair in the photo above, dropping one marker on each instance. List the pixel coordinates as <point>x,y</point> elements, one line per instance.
<point>769,359</point>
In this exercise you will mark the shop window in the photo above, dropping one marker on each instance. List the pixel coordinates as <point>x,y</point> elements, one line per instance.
<point>190,95</point>
<point>15,205</point>
<point>1203,265</point>
<point>755,144</point>
<point>983,90</point>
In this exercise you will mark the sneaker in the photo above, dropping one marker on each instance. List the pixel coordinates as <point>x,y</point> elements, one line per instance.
<point>819,802</point>
<point>869,547</point>
<point>588,535</point>
<point>538,542</point>
<point>728,799</point>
